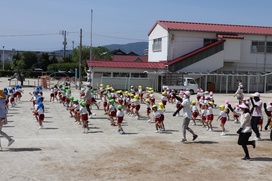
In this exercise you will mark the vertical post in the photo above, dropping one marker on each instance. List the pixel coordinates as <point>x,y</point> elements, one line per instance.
<point>80,61</point>
<point>91,47</point>
<point>227,81</point>
<point>64,45</point>
<point>265,83</point>
<point>3,57</point>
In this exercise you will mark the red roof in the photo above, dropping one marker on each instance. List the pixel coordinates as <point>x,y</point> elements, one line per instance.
<point>120,64</point>
<point>210,27</point>
<point>129,58</point>
<point>195,52</point>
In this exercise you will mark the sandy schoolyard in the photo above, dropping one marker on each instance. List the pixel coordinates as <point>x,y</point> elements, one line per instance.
<point>61,151</point>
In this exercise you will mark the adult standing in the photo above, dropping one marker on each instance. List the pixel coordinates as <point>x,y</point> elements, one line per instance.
<point>245,131</point>
<point>89,75</point>
<point>256,113</point>
<point>88,97</point>
<point>187,114</point>
<point>239,94</point>
<point>3,117</point>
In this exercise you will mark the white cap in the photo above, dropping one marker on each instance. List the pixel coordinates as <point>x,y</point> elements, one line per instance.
<point>256,94</point>
<point>187,93</point>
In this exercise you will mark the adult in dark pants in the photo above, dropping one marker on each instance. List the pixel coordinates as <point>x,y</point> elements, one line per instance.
<point>256,113</point>
<point>245,131</point>
<point>187,114</point>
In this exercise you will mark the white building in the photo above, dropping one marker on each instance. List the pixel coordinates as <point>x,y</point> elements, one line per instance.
<point>203,47</point>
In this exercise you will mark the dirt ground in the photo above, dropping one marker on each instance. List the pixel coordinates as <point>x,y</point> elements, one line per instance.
<point>61,151</point>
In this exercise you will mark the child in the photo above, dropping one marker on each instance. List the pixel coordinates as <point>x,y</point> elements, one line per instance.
<point>76,108</point>
<point>71,106</point>
<point>52,94</point>
<point>120,117</point>
<point>156,115</point>
<point>152,98</point>
<point>112,112</point>
<point>161,111</point>
<point>223,117</point>
<point>148,110</point>
<point>235,113</point>
<point>141,93</point>
<point>40,110</point>
<point>227,109</point>
<point>203,113</point>
<point>84,116</point>
<point>105,101</point>
<point>164,100</point>
<point>137,106</point>
<point>195,112</point>
<point>210,116</point>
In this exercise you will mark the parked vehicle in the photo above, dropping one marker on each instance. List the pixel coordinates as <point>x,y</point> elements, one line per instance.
<point>184,83</point>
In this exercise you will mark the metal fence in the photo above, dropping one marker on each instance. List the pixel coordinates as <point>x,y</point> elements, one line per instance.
<point>227,83</point>
<point>124,83</point>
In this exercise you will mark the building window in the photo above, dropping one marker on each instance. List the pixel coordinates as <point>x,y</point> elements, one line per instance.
<point>157,45</point>
<point>257,47</point>
<point>260,47</point>
<point>208,41</point>
<point>139,75</point>
<point>269,47</point>
<point>106,74</point>
<point>117,74</point>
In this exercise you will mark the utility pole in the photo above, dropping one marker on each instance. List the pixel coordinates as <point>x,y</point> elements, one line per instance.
<point>63,32</point>
<point>91,47</point>
<point>3,57</point>
<point>64,45</point>
<point>80,60</point>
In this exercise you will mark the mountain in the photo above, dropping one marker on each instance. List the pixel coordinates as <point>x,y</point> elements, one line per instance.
<point>137,47</point>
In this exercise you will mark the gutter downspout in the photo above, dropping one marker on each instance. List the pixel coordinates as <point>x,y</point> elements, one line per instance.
<point>265,48</point>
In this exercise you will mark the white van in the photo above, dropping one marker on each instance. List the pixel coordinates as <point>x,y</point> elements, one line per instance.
<point>184,83</point>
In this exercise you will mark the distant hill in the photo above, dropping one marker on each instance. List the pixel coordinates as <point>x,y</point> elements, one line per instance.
<point>137,47</point>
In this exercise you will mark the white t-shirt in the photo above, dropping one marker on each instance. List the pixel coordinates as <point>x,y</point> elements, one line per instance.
<point>187,113</point>
<point>83,110</point>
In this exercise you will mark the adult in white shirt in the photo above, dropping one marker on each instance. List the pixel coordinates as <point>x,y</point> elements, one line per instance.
<point>187,114</point>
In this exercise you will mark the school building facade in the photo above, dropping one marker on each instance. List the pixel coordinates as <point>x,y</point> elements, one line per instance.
<point>211,53</point>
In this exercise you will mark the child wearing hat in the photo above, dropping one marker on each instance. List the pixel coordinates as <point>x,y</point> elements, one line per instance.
<point>210,116</point>
<point>120,117</point>
<point>112,112</point>
<point>223,118</point>
<point>156,115</point>
<point>84,116</point>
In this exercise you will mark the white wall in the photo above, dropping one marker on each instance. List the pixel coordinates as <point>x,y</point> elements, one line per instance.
<point>185,42</point>
<point>254,60</point>
<point>158,32</point>
<point>232,50</point>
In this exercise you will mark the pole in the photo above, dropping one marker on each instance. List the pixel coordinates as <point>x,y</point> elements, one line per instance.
<point>64,45</point>
<point>80,60</point>
<point>91,47</point>
<point>3,57</point>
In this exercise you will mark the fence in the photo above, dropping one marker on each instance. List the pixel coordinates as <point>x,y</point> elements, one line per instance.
<point>124,83</point>
<point>227,83</point>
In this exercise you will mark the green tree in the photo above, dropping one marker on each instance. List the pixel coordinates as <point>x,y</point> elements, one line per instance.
<point>42,62</point>
<point>98,53</point>
<point>101,53</point>
<point>30,59</point>
<point>85,53</point>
